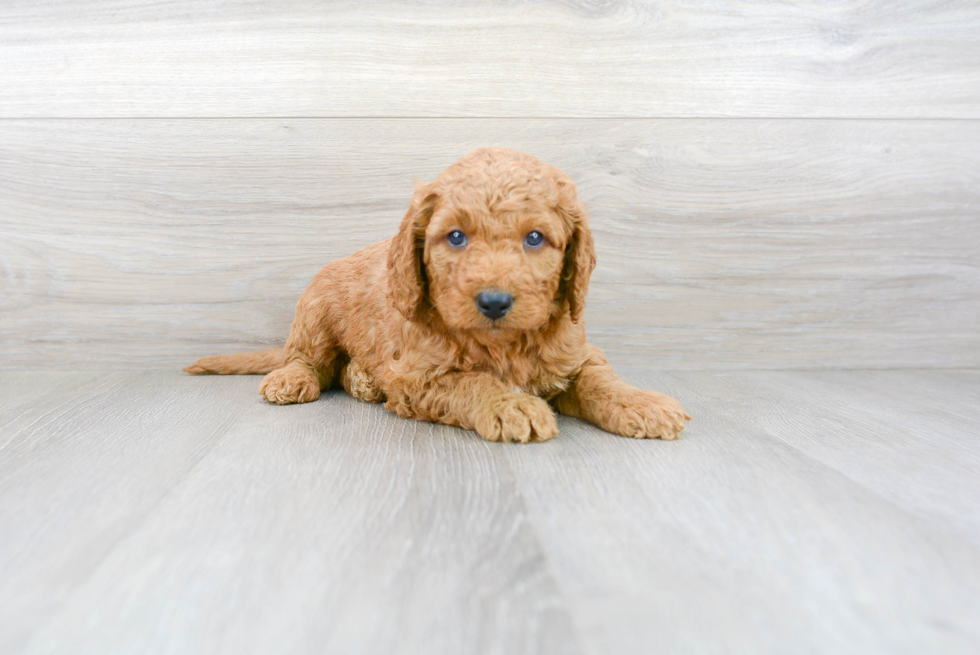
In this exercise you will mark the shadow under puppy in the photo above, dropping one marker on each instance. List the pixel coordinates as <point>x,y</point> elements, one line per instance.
<point>471,315</point>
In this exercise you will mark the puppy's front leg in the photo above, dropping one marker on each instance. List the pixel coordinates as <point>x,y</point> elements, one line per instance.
<point>601,397</point>
<point>477,401</point>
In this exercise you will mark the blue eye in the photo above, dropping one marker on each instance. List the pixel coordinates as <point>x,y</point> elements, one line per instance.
<point>534,239</point>
<point>456,239</point>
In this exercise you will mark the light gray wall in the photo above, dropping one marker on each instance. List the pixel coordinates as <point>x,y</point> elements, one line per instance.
<point>791,185</point>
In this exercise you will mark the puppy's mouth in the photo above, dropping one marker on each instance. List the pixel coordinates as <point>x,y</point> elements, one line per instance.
<point>493,335</point>
<point>493,324</point>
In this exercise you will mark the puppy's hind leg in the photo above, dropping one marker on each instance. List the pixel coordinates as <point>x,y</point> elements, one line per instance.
<point>296,382</point>
<point>311,353</point>
<point>360,384</point>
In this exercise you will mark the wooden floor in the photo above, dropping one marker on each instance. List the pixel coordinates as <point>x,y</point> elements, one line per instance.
<point>805,512</point>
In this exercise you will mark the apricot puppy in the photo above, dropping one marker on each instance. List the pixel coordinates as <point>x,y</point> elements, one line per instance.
<point>471,315</point>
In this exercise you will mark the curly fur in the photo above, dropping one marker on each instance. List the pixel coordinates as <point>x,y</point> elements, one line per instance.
<point>397,322</point>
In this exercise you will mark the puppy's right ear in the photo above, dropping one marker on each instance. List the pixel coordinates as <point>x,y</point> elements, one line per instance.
<point>406,268</point>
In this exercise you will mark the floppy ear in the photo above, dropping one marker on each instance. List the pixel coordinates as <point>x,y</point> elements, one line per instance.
<point>579,253</point>
<point>406,269</point>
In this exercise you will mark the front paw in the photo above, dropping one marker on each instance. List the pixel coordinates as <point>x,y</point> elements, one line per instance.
<point>290,384</point>
<point>645,414</point>
<point>517,417</point>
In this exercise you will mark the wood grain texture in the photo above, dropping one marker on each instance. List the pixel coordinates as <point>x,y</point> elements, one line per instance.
<point>736,540</point>
<point>721,243</point>
<point>80,467</point>
<point>329,527</point>
<point>926,462</point>
<point>545,58</point>
<point>162,513</point>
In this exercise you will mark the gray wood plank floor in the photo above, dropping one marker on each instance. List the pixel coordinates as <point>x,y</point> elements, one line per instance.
<point>830,511</point>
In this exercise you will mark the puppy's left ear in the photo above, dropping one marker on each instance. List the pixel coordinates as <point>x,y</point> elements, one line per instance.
<point>406,269</point>
<point>579,253</point>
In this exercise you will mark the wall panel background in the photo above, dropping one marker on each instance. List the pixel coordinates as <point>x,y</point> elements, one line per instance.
<point>792,185</point>
<point>540,58</point>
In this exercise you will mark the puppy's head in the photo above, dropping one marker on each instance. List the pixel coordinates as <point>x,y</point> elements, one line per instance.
<point>497,243</point>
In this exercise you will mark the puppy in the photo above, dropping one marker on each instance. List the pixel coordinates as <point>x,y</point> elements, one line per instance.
<point>471,315</point>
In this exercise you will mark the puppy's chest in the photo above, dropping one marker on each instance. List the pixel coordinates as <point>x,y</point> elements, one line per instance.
<point>523,372</point>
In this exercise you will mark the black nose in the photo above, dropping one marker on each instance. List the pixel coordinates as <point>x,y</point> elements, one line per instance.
<point>494,304</point>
